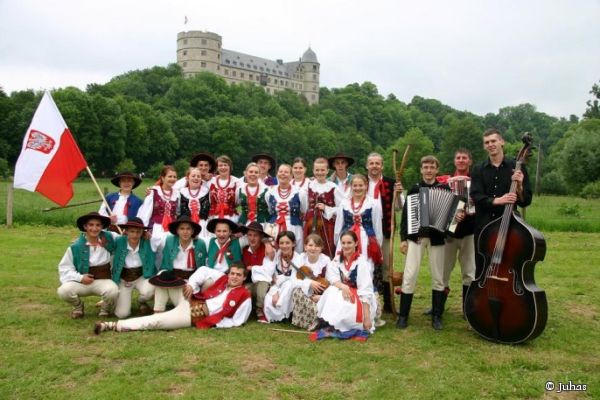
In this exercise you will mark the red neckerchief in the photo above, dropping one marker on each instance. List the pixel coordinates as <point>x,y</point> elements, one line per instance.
<point>348,263</point>
<point>191,258</point>
<point>222,250</point>
<point>236,297</point>
<point>377,189</point>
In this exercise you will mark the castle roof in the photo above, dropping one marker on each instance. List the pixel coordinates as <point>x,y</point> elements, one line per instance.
<point>309,56</point>
<point>257,64</point>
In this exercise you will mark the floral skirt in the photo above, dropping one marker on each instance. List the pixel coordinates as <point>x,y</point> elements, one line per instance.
<point>304,310</point>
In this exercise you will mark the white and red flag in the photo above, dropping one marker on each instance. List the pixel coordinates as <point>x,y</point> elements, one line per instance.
<point>50,159</point>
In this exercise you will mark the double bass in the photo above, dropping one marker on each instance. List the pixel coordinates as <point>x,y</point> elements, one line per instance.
<point>503,303</point>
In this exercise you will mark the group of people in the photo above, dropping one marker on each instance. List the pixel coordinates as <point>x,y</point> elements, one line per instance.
<point>209,249</point>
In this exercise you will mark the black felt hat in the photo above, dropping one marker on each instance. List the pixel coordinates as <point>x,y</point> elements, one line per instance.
<point>212,224</point>
<point>134,222</point>
<point>254,226</point>
<point>342,155</point>
<point>126,174</point>
<point>81,221</point>
<point>184,219</point>
<point>204,157</point>
<point>167,279</point>
<point>264,156</point>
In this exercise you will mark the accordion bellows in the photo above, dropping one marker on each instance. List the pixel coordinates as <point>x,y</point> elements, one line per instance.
<point>431,208</point>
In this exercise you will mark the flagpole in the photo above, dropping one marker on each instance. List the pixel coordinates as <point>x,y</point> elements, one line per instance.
<point>89,171</point>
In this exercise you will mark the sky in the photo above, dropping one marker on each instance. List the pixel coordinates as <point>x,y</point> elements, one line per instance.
<point>474,55</point>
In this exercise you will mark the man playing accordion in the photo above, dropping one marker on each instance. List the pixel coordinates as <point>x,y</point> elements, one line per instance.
<point>416,239</point>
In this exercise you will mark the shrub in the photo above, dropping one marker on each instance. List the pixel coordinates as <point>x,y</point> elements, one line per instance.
<point>554,183</point>
<point>591,190</point>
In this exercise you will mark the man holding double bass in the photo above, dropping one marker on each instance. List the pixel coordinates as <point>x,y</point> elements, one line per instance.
<point>490,184</point>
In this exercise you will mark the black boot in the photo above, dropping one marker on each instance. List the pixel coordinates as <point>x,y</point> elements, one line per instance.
<point>464,298</point>
<point>387,298</point>
<point>430,311</point>
<point>405,303</point>
<point>437,306</point>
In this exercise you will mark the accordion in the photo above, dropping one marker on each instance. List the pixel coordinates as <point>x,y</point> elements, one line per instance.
<point>432,209</point>
<point>461,186</point>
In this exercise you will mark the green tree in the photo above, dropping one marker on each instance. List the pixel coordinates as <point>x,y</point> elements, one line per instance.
<point>593,105</point>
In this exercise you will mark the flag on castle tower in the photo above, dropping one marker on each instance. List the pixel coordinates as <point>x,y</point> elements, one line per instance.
<point>50,160</point>
<point>185,21</point>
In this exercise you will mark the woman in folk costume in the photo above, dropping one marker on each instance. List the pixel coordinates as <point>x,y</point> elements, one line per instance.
<point>223,249</point>
<point>251,196</point>
<point>299,168</point>
<point>323,198</point>
<point>182,252</point>
<point>193,199</point>
<point>286,205</point>
<point>278,301</point>
<point>361,214</point>
<point>123,204</point>
<point>349,303</point>
<point>222,188</point>
<point>308,291</point>
<point>160,205</point>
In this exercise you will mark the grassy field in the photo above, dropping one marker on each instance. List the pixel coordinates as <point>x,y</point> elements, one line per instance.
<point>45,354</point>
<point>547,213</point>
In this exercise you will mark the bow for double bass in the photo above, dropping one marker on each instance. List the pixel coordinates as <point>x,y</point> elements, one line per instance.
<point>395,278</point>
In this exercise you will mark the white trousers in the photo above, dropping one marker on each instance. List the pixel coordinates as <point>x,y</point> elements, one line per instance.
<point>179,317</point>
<point>466,257</point>
<point>123,306</point>
<point>72,291</point>
<point>162,295</point>
<point>414,257</point>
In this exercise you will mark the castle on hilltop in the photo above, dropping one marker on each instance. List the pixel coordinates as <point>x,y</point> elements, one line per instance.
<point>201,51</point>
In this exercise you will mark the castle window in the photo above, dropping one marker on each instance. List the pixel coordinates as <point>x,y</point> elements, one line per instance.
<point>202,52</point>
<point>250,76</point>
<point>218,67</point>
<point>203,64</point>
<point>315,76</point>
<point>233,73</point>
<point>185,52</point>
<point>262,69</point>
<point>241,64</point>
<point>203,41</point>
<point>241,75</point>
<point>268,70</point>
<point>257,78</point>
<point>234,62</point>
<point>227,72</point>
<point>255,67</point>
<point>185,63</point>
<point>184,41</point>
<point>276,81</point>
<point>314,67</point>
<point>218,56</point>
<point>286,74</point>
<point>227,62</point>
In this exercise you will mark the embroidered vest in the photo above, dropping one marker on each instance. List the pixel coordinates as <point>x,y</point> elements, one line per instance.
<point>172,249</point>
<point>184,206</point>
<point>232,255</point>
<point>222,201</point>
<point>366,221</point>
<point>262,209</point>
<point>294,209</point>
<point>132,206</point>
<point>146,255</point>
<point>81,252</point>
<point>158,210</point>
